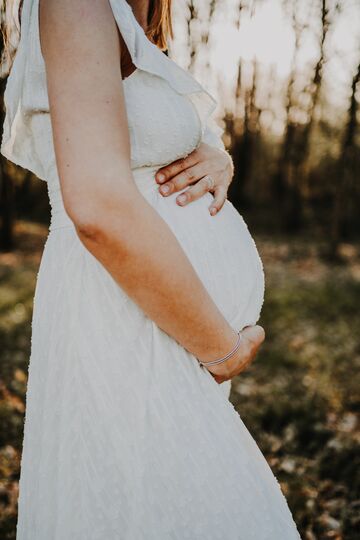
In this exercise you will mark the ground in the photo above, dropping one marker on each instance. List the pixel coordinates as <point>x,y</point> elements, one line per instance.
<point>299,399</point>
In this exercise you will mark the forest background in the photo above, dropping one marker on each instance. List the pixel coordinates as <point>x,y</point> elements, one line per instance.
<point>286,75</point>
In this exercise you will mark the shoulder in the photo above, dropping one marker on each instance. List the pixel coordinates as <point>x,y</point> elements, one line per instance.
<point>74,20</point>
<point>81,35</point>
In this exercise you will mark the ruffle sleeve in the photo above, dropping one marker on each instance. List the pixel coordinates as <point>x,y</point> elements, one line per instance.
<point>148,57</point>
<point>213,134</point>
<point>25,95</point>
<point>26,89</point>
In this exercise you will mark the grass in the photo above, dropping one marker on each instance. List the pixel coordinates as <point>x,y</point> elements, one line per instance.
<point>299,399</point>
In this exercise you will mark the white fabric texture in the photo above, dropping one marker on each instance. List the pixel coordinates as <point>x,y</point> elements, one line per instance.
<point>126,436</point>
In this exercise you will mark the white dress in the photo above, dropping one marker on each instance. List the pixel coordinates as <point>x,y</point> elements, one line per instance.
<point>126,436</point>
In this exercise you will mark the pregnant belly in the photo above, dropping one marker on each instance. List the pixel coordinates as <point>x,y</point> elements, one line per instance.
<point>220,248</point>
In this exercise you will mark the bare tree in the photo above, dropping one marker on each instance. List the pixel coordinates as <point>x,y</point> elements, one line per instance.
<point>243,123</point>
<point>7,199</point>
<point>345,201</point>
<point>191,42</point>
<point>289,179</point>
<point>315,85</point>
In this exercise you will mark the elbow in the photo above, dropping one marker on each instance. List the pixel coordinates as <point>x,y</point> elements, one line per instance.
<point>88,231</point>
<point>87,222</point>
<point>97,199</point>
<point>96,217</point>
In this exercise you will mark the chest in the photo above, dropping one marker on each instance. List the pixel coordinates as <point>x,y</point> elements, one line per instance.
<point>164,125</point>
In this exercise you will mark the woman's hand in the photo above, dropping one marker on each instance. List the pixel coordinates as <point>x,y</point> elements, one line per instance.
<point>252,338</point>
<point>206,169</point>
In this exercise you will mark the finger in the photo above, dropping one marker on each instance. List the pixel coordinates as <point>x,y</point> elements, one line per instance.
<point>219,199</point>
<point>169,171</point>
<point>255,334</point>
<point>218,378</point>
<point>195,192</point>
<point>183,179</point>
<point>245,364</point>
<point>252,338</point>
<point>250,352</point>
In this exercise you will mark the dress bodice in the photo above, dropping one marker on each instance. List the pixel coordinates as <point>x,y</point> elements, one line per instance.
<point>163,125</point>
<point>169,112</point>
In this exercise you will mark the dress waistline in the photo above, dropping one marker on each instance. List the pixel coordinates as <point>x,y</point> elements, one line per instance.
<point>144,178</point>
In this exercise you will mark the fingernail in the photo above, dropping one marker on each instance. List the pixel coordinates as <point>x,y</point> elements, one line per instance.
<point>181,199</point>
<point>160,177</point>
<point>213,211</point>
<point>164,189</point>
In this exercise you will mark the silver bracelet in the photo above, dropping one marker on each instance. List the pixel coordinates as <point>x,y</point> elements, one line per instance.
<point>227,356</point>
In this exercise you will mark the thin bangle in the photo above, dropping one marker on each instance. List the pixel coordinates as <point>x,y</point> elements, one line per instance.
<point>227,356</point>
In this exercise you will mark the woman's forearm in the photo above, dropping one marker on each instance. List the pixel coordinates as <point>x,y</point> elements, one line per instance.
<point>142,254</point>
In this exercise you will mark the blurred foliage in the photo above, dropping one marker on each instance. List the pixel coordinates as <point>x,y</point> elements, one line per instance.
<point>18,271</point>
<point>291,120</point>
<point>293,131</point>
<point>299,399</point>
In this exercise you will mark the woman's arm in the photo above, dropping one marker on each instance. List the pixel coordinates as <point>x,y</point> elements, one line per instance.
<point>81,48</point>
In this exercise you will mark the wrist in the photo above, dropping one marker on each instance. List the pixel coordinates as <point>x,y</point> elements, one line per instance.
<point>229,340</point>
<point>224,369</point>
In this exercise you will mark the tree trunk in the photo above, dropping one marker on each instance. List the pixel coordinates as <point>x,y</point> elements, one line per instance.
<point>7,199</point>
<point>341,223</point>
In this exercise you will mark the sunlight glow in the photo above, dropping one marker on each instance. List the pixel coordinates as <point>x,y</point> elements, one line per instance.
<point>266,37</point>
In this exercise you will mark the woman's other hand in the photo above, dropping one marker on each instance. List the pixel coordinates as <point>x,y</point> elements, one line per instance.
<point>252,338</point>
<point>194,171</point>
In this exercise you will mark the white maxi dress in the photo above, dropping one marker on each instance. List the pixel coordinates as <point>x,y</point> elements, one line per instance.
<point>126,436</point>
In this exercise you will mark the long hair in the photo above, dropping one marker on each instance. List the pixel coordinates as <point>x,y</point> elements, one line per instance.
<point>158,31</point>
<point>10,14</point>
<point>160,23</point>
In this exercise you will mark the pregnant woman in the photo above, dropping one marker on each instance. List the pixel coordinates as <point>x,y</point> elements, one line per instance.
<point>144,308</point>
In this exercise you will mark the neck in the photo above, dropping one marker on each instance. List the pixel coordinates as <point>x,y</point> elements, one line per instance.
<point>140,9</point>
